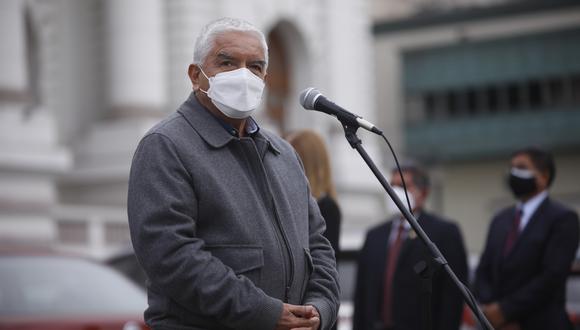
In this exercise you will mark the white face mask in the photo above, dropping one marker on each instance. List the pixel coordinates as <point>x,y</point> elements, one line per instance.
<point>235,93</point>
<point>392,207</point>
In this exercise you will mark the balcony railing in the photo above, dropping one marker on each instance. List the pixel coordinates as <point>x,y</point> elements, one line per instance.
<point>492,136</point>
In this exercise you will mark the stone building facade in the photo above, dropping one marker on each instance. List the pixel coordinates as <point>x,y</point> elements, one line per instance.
<point>83,80</point>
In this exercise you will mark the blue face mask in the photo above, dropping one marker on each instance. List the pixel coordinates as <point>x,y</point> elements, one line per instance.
<point>522,182</point>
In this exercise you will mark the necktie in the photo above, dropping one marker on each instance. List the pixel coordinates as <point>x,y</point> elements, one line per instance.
<point>513,233</point>
<point>392,256</point>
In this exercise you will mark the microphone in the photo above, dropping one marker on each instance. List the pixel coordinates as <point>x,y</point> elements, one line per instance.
<point>312,99</point>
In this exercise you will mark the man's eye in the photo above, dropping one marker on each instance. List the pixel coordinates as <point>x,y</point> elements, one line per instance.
<point>226,63</point>
<point>256,68</point>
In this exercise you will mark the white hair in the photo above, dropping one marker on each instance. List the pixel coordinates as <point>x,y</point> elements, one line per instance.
<point>206,38</point>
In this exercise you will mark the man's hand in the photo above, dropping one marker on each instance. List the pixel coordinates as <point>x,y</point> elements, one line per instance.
<point>494,315</point>
<point>298,318</point>
<point>311,313</point>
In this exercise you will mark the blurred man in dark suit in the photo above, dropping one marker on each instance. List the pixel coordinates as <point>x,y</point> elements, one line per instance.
<point>521,278</point>
<point>388,292</point>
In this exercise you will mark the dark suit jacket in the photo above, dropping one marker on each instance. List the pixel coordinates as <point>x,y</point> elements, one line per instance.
<point>446,300</point>
<point>530,283</point>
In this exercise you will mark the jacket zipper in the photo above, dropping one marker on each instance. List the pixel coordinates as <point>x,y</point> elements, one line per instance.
<point>280,229</point>
<point>290,255</point>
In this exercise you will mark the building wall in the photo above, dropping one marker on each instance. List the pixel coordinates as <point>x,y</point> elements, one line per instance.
<point>468,191</point>
<point>384,10</point>
<point>89,109</point>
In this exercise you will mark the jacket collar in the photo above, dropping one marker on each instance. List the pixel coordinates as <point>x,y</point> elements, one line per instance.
<point>530,207</point>
<point>209,128</point>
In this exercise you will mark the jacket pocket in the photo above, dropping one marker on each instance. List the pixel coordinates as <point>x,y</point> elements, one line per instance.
<point>244,260</point>
<point>309,270</point>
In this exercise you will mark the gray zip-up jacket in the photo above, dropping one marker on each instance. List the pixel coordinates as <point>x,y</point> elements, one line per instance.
<point>225,227</point>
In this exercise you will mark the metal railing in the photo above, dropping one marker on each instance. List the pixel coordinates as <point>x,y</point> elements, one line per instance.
<point>95,231</point>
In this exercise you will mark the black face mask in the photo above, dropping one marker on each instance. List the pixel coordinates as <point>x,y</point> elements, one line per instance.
<point>522,182</point>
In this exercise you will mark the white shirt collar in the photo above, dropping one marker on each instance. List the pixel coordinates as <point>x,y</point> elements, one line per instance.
<point>530,207</point>
<point>406,226</point>
<point>397,221</point>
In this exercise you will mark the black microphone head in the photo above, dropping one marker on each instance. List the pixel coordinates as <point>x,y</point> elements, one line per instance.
<point>308,98</point>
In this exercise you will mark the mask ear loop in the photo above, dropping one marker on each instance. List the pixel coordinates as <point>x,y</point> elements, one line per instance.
<point>200,69</point>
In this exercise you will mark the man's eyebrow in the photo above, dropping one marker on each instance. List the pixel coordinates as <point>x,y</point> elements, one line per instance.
<point>225,56</point>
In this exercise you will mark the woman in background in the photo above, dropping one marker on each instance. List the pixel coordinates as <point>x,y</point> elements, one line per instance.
<point>312,151</point>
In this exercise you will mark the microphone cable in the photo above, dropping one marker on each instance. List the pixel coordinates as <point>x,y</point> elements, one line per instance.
<point>471,301</point>
<point>400,172</point>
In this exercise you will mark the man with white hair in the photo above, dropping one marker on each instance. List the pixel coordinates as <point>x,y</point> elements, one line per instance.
<point>220,211</point>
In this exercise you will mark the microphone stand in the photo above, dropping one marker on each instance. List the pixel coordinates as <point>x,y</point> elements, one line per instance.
<point>350,128</point>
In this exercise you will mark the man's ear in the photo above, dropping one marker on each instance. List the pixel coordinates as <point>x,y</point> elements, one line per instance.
<point>193,72</point>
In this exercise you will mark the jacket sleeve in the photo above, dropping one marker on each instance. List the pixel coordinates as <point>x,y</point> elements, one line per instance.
<point>557,260</point>
<point>162,210</point>
<point>451,306</point>
<point>323,288</point>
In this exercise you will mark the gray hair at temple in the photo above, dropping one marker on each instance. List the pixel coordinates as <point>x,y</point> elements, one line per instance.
<point>420,175</point>
<point>205,40</point>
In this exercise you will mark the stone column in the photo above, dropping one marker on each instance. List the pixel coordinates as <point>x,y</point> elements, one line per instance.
<point>349,82</point>
<point>30,157</point>
<point>13,80</point>
<point>135,54</point>
<point>135,92</point>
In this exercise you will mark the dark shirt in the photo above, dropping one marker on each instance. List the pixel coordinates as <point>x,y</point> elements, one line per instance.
<point>251,126</point>
<point>331,214</point>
